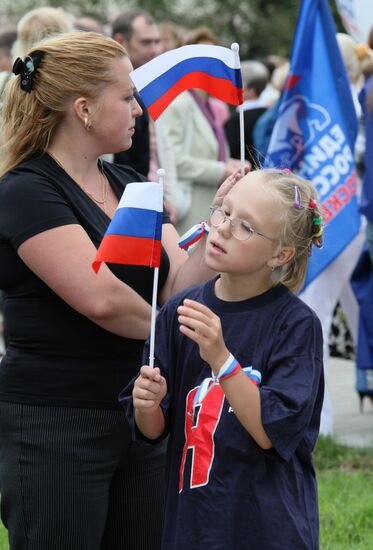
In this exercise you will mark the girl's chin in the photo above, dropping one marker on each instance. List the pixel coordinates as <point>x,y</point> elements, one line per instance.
<point>211,263</point>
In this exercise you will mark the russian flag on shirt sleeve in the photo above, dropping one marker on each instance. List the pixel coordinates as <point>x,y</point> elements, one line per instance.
<point>135,232</point>
<point>212,68</point>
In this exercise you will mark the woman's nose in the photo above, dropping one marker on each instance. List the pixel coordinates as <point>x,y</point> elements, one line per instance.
<point>136,108</point>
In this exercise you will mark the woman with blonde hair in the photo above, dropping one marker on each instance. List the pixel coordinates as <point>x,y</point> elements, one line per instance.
<point>32,27</point>
<point>38,24</point>
<point>70,477</point>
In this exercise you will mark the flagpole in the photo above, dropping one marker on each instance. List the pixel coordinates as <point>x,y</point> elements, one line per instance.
<point>160,174</point>
<point>235,49</point>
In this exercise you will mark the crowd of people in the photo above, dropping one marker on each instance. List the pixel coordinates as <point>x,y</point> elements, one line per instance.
<point>97,449</point>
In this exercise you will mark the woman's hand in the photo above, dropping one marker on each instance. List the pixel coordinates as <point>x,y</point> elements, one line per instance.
<point>232,165</point>
<point>202,326</point>
<point>228,183</point>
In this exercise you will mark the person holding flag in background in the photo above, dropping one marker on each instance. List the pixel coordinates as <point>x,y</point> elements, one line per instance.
<point>182,80</point>
<point>70,477</point>
<point>314,136</point>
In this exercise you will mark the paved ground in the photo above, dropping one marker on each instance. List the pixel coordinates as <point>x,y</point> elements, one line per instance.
<point>350,426</point>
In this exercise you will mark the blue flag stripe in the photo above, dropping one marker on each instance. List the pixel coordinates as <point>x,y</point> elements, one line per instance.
<point>136,222</point>
<point>209,65</point>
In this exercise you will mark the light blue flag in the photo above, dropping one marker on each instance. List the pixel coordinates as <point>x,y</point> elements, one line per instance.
<point>315,132</point>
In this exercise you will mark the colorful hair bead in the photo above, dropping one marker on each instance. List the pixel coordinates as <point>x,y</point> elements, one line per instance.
<point>312,203</point>
<point>317,220</point>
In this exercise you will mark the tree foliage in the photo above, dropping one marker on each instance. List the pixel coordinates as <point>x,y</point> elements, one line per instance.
<point>261,27</point>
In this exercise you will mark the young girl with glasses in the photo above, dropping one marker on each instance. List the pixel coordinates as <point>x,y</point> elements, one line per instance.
<point>238,382</point>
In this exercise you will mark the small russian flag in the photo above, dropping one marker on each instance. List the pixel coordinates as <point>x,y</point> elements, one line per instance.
<point>135,232</point>
<point>212,68</point>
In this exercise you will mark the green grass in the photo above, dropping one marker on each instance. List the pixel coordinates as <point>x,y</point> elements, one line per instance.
<point>345,477</point>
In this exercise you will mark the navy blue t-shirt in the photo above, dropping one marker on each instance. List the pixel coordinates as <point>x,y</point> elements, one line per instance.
<point>55,355</point>
<point>223,491</point>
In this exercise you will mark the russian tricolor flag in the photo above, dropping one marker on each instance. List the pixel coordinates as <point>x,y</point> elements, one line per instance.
<point>135,232</point>
<point>213,68</point>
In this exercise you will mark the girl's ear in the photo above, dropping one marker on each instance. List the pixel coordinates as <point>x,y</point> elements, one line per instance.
<point>283,256</point>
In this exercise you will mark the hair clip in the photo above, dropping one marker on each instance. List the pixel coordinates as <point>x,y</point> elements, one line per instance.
<point>316,220</point>
<point>312,203</point>
<point>27,69</point>
<point>297,198</point>
<point>286,170</point>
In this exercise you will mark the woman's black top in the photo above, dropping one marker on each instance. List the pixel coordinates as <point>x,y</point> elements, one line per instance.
<point>56,356</point>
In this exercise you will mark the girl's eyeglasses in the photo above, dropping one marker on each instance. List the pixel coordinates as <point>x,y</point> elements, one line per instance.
<point>240,229</point>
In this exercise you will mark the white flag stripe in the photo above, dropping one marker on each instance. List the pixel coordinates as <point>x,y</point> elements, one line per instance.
<point>159,65</point>
<point>146,195</point>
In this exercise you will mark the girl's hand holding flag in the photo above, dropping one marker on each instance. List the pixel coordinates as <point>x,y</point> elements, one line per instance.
<point>149,389</point>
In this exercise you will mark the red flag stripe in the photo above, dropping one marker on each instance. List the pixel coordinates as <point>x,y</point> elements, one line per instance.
<point>123,249</point>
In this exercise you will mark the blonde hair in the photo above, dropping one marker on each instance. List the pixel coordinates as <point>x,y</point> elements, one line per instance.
<point>280,75</point>
<point>169,28</point>
<point>365,54</point>
<point>73,65</point>
<point>38,24</point>
<point>351,59</point>
<point>200,35</point>
<point>301,210</point>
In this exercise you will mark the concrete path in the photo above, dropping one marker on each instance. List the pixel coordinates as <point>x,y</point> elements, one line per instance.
<point>350,426</point>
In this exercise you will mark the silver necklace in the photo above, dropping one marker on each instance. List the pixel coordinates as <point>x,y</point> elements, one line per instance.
<point>104,180</point>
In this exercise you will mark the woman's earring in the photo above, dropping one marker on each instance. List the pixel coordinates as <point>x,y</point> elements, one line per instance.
<point>87,124</point>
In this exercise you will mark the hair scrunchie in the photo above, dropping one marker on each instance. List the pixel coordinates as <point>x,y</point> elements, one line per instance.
<point>27,69</point>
